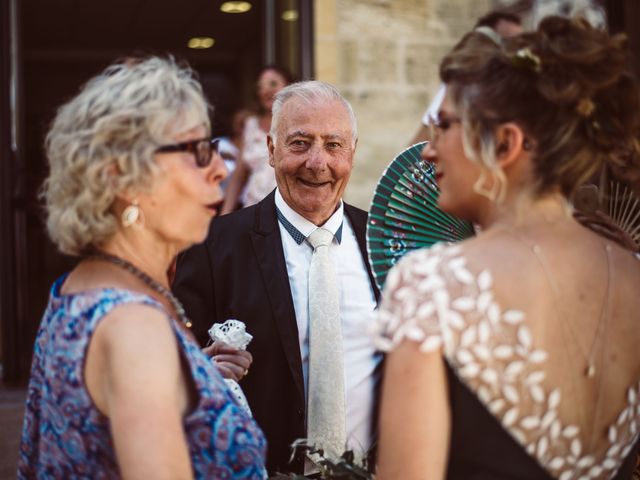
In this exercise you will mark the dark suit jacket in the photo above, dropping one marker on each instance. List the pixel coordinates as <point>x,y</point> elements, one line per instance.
<point>240,272</point>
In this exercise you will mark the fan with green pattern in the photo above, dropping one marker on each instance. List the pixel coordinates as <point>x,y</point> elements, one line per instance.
<point>404,213</point>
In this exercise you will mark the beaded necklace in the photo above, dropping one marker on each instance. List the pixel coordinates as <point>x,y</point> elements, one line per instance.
<point>147,280</point>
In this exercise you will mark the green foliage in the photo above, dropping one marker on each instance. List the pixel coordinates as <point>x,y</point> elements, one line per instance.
<point>344,468</point>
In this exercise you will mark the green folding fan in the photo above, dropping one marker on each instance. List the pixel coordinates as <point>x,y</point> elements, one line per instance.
<point>404,213</point>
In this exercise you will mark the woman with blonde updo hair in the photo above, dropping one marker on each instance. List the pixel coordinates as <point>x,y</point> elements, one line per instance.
<point>514,354</point>
<point>119,387</point>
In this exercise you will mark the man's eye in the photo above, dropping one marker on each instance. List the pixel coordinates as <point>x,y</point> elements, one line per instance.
<point>298,143</point>
<point>333,145</point>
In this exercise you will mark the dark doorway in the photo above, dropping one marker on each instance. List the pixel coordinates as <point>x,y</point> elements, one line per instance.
<point>64,43</point>
<point>624,16</point>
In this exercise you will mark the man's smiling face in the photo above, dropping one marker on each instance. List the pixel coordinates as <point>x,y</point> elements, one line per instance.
<point>312,156</point>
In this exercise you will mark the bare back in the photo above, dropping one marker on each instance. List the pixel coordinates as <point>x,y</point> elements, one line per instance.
<point>541,324</point>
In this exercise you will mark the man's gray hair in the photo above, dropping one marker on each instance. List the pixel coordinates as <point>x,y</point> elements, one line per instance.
<point>311,92</point>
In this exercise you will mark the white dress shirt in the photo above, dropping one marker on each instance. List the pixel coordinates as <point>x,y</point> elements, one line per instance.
<point>357,305</point>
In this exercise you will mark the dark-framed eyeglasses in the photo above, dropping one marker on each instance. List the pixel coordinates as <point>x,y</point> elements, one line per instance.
<point>440,124</point>
<point>202,149</point>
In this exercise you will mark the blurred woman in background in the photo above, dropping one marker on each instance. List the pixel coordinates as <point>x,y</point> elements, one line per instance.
<point>229,146</point>
<point>253,177</point>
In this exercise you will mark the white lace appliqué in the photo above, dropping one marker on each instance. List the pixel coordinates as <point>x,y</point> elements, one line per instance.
<point>234,333</point>
<point>492,351</point>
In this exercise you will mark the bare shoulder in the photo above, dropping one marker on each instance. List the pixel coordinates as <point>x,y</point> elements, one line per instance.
<point>626,268</point>
<point>626,257</point>
<point>133,353</point>
<point>138,327</point>
<point>485,247</point>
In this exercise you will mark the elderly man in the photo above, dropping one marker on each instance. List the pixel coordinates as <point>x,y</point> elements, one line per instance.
<point>294,269</point>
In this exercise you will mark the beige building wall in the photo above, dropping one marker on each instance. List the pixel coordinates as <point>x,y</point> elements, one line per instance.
<point>383,56</point>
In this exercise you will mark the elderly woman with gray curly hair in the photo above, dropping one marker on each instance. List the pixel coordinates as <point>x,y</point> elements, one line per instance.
<point>119,388</point>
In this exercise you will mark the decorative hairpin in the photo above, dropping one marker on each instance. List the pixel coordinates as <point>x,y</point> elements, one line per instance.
<point>525,58</point>
<point>585,107</point>
<point>491,33</point>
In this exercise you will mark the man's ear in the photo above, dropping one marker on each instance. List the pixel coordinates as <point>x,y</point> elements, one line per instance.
<point>509,144</point>
<point>271,147</point>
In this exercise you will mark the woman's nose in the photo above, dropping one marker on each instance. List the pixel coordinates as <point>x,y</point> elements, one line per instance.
<point>429,153</point>
<point>218,168</point>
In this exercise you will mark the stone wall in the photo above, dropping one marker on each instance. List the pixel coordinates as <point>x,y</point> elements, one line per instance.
<point>383,56</point>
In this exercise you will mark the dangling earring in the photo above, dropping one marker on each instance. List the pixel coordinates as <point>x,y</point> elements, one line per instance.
<point>479,187</point>
<point>131,215</point>
<point>496,192</point>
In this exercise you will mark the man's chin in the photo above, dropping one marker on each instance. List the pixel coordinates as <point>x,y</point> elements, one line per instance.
<point>311,203</point>
<point>313,208</point>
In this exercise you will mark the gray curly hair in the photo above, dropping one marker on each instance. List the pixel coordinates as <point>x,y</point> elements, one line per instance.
<point>102,142</point>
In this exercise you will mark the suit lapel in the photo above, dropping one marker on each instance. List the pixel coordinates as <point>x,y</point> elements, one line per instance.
<point>358,219</point>
<point>270,256</point>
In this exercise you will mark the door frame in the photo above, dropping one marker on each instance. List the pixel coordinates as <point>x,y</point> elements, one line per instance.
<point>15,354</point>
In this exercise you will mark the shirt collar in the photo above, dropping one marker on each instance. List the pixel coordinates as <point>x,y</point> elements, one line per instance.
<point>300,228</point>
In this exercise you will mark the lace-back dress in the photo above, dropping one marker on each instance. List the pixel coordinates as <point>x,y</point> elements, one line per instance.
<point>65,436</point>
<point>515,412</point>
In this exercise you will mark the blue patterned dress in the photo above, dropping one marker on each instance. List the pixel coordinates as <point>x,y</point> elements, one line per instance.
<point>65,436</point>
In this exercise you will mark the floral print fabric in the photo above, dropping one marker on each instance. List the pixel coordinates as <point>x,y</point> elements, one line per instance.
<point>65,436</point>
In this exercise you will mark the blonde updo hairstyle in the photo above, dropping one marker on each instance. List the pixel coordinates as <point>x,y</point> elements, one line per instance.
<point>101,144</point>
<point>567,85</point>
